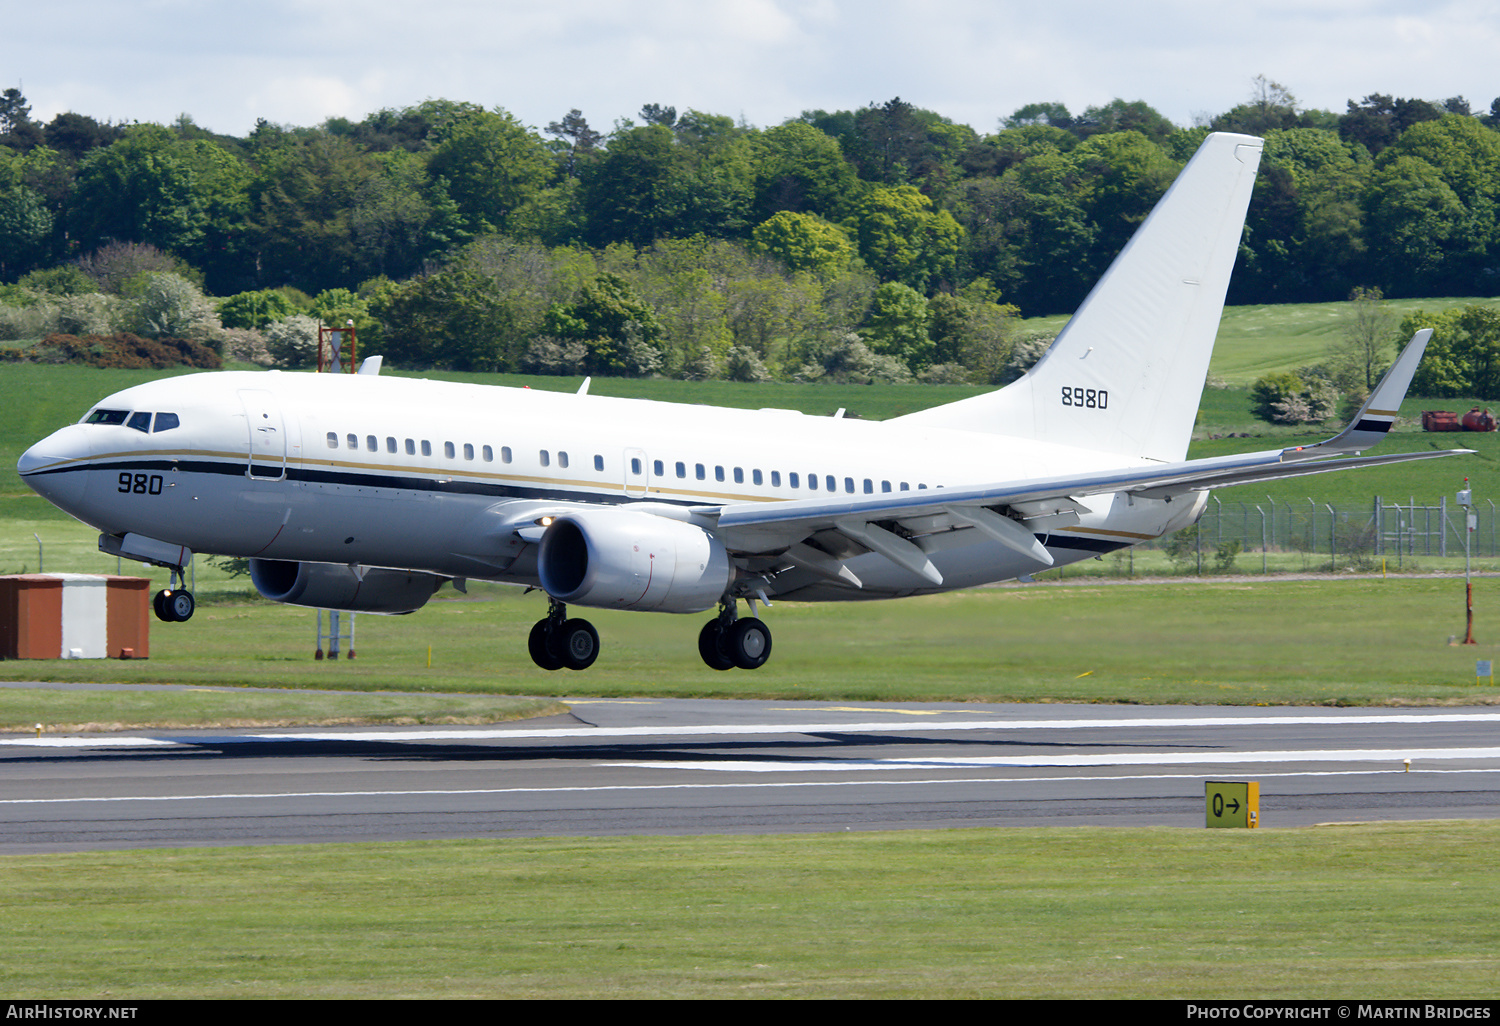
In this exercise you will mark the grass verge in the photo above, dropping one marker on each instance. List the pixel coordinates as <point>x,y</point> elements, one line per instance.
<point>1387,911</point>
<point>1210,641</point>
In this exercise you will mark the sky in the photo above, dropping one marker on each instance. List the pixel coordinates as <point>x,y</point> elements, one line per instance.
<point>300,62</point>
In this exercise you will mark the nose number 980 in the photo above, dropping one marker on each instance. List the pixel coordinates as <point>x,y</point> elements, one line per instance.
<point>139,484</point>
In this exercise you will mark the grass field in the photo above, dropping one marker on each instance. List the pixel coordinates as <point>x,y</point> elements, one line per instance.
<point>1393,911</point>
<point>1255,340</point>
<point>1344,642</point>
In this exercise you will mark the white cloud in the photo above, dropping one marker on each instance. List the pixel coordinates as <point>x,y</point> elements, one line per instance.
<point>300,61</point>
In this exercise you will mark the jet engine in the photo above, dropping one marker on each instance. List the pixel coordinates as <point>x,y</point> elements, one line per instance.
<point>621,559</point>
<point>335,586</point>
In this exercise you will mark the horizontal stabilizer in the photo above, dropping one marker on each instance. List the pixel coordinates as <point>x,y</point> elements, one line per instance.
<point>1375,417</point>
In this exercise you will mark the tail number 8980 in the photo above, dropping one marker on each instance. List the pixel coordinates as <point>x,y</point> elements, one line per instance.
<point>1088,398</point>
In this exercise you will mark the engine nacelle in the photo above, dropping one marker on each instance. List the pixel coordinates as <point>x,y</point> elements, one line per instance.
<point>620,559</point>
<point>334,586</point>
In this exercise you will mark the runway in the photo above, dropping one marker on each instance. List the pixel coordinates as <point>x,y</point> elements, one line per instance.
<point>698,766</point>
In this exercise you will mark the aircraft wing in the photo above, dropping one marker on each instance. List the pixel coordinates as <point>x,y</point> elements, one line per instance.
<point>886,523</point>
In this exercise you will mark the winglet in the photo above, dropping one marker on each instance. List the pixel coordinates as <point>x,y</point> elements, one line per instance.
<point>1375,417</point>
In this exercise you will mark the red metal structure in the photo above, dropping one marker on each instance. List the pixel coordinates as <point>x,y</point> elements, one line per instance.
<point>338,349</point>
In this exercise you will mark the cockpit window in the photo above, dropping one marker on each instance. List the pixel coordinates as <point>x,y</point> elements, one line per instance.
<point>140,421</point>
<point>107,417</point>
<point>166,422</point>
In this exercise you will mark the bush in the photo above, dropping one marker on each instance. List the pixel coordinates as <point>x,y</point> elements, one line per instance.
<point>293,342</point>
<point>1284,398</point>
<point>548,355</point>
<point>168,305</point>
<point>847,360</point>
<point>743,364</point>
<point>246,346</point>
<point>1024,356</point>
<point>123,350</point>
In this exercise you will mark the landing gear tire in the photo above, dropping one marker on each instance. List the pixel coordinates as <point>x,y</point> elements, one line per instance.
<point>181,605</point>
<point>576,643</point>
<point>748,643</point>
<point>173,606</point>
<point>710,646</point>
<point>541,653</point>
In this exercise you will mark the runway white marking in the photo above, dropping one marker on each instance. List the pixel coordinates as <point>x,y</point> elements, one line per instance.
<point>1393,756</point>
<point>716,786</point>
<point>719,730</point>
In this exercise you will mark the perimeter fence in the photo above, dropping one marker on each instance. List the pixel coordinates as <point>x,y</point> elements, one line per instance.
<point>1280,536</point>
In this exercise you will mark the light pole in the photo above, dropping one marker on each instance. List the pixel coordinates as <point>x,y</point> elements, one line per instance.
<point>1466,500</point>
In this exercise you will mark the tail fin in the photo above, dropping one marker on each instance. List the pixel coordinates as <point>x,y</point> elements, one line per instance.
<point>1126,374</point>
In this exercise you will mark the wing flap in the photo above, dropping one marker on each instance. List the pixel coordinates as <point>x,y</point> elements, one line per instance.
<point>772,526</point>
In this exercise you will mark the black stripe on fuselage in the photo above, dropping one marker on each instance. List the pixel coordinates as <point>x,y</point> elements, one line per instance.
<point>358,479</point>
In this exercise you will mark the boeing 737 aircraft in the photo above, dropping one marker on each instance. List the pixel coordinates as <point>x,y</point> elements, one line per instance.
<point>362,492</point>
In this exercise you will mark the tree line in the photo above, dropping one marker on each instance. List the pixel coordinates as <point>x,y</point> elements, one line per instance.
<point>884,242</point>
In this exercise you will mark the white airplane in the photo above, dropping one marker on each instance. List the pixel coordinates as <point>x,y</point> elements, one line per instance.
<point>367,493</point>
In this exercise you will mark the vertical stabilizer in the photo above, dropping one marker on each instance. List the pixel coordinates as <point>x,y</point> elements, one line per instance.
<point>1126,374</point>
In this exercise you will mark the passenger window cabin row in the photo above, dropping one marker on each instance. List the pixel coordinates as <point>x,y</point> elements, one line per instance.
<point>700,471</point>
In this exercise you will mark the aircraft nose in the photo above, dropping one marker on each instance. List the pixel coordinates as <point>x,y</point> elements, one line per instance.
<point>55,469</point>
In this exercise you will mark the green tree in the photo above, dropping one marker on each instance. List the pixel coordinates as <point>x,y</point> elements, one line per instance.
<point>1378,120</point>
<point>401,217</point>
<point>305,200</point>
<point>897,326</point>
<point>1463,356</point>
<point>802,170</point>
<point>579,142</point>
<point>1414,222</point>
<point>188,197</point>
<point>897,144</point>
<point>649,186</point>
<point>902,238</point>
<point>972,330</point>
<point>621,333</point>
<point>1051,115</point>
<point>1359,354</point>
<point>1440,181</point>
<point>1125,175</point>
<point>804,242</point>
<point>450,319</point>
<point>255,309</point>
<point>17,130</point>
<point>1271,106</point>
<point>1126,116</point>
<point>25,231</point>
<point>493,166</point>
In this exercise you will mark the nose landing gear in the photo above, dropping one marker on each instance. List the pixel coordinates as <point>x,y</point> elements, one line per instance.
<point>174,605</point>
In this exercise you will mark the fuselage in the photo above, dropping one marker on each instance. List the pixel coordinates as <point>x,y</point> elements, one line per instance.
<point>426,475</point>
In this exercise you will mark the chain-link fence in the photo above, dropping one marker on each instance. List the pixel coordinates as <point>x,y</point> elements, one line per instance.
<point>1278,536</point>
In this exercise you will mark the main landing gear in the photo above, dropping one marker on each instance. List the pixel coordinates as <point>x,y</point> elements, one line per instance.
<point>557,641</point>
<point>727,641</point>
<point>174,605</point>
